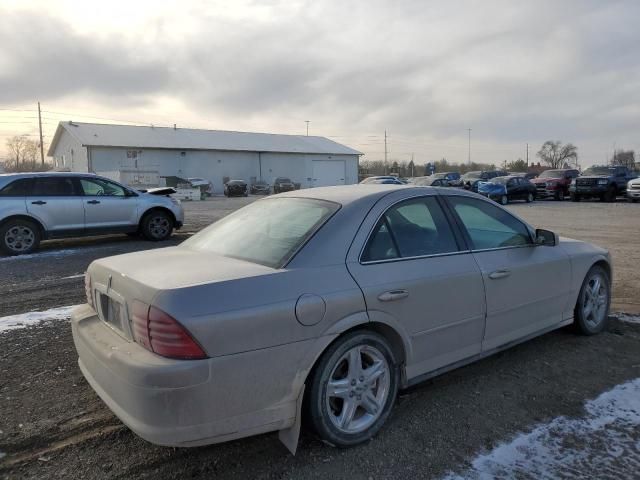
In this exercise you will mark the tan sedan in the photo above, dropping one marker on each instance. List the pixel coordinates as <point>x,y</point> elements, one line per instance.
<point>334,298</point>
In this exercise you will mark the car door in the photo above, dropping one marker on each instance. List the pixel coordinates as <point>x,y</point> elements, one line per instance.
<point>416,276</point>
<point>55,201</point>
<point>108,205</point>
<point>527,285</point>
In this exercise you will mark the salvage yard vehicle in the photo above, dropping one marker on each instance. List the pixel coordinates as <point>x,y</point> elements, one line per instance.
<point>506,189</point>
<point>260,188</point>
<point>453,178</point>
<point>554,183</point>
<point>430,181</point>
<point>236,188</point>
<point>283,184</point>
<point>603,182</point>
<point>633,190</point>
<point>39,206</point>
<point>470,179</point>
<point>330,299</point>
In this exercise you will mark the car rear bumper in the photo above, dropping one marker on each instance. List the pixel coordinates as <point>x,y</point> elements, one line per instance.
<point>186,402</point>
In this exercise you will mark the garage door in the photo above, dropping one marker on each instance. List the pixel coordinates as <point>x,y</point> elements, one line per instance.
<point>328,172</point>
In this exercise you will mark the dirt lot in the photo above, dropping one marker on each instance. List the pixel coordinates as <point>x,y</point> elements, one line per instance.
<point>52,425</point>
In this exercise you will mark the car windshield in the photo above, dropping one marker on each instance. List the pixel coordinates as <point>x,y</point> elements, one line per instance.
<point>236,182</point>
<point>267,232</point>
<point>472,175</point>
<point>552,174</point>
<point>598,171</point>
<point>282,180</point>
<point>501,180</point>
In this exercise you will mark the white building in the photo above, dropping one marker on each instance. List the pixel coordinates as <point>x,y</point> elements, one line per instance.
<point>211,154</point>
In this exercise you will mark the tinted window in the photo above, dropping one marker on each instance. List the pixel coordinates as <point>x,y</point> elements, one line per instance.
<point>489,226</point>
<point>412,228</point>
<point>99,187</point>
<point>17,188</point>
<point>53,187</point>
<point>267,232</point>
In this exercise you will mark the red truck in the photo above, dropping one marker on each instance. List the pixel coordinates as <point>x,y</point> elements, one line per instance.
<point>554,183</point>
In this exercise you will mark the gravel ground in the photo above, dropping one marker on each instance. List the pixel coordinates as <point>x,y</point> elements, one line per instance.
<point>52,425</point>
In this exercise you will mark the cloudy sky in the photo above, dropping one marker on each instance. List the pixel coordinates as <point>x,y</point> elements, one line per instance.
<point>515,72</point>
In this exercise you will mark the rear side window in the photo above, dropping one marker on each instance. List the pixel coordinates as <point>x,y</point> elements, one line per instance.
<point>99,187</point>
<point>413,228</point>
<point>489,226</point>
<point>53,187</point>
<point>17,188</point>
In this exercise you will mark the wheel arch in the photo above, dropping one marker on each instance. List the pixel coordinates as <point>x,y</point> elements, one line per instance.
<point>38,223</point>
<point>154,209</point>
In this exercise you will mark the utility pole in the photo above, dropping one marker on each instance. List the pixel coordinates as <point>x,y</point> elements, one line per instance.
<point>469,159</point>
<point>41,143</point>
<point>307,122</point>
<point>412,165</point>
<point>385,148</point>
<point>527,155</point>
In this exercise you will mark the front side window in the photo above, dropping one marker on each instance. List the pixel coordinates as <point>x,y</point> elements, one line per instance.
<point>267,232</point>
<point>53,187</point>
<point>98,187</point>
<point>413,228</point>
<point>489,226</point>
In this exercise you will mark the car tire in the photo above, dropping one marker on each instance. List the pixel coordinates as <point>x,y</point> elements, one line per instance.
<point>504,200</point>
<point>634,200</point>
<point>530,197</point>
<point>574,197</point>
<point>347,405</point>
<point>610,195</point>
<point>19,237</point>
<point>156,225</point>
<point>592,308</point>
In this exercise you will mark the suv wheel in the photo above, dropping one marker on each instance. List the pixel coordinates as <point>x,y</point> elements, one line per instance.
<point>353,389</point>
<point>19,237</point>
<point>610,195</point>
<point>157,225</point>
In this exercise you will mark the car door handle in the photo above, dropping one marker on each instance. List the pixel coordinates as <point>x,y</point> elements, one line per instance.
<point>393,295</point>
<point>39,202</point>
<point>499,274</point>
<point>93,202</point>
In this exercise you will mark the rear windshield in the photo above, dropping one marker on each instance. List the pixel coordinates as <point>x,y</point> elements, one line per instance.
<point>552,174</point>
<point>267,232</point>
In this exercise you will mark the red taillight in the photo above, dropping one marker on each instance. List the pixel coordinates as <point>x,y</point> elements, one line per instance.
<point>87,289</point>
<point>162,334</point>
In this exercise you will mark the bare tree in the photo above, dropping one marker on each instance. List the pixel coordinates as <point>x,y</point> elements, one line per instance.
<point>626,158</point>
<point>555,154</point>
<point>23,155</point>
<point>17,146</point>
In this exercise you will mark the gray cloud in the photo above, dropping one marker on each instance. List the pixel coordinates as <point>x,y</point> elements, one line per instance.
<point>512,71</point>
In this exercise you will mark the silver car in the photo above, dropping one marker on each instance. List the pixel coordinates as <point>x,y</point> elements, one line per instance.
<point>38,206</point>
<point>333,298</point>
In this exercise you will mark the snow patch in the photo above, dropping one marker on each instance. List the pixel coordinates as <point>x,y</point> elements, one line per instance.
<point>23,320</point>
<point>626,317</point>
<point>50,253</point>
<point>605,440</point>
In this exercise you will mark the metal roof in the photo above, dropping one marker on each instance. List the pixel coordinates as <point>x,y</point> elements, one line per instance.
<point>134,136</point>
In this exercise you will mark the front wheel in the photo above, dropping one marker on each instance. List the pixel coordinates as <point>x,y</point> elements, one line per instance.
<point>157,225</point>
<point>504,200</point>
<point>529,197</point>
<point>592,308</point>
<point>353,388</point>
<point>19,237</point>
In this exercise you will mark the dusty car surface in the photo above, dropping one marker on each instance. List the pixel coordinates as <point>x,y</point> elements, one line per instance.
<point>40,206</point>
<point>332,298</point>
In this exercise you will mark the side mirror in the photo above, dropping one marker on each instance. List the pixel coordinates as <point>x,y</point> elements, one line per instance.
<point>546,238</point>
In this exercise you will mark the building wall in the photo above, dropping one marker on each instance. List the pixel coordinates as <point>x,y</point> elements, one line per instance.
<point>216,165</point>
<point>70,154</point>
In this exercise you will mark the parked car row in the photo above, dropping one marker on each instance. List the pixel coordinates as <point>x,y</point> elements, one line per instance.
<point>240,188</point>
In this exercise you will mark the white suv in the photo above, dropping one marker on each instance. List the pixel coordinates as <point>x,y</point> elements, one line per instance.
<point>38,206</point>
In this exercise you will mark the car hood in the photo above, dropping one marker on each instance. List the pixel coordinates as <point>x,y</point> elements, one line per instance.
<point>172,267</point>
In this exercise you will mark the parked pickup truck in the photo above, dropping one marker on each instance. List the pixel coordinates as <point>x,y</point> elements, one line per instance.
<point>633,190</point>
<point>554,183</point>
<point>605,183</point>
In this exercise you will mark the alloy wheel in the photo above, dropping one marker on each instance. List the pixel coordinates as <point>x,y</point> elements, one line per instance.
<point>595,300</point>
<point>159,226</point>
<point>358,389</point>
<point>19,238</point>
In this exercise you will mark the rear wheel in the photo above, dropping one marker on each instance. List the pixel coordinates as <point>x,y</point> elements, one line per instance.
<point>352,389</point>
<point>529,197</point>
<point>592,308</point>
<point>157,225</point>
<point>19,237</point>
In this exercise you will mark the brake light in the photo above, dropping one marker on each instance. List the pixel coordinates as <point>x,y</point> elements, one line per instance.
<point>160,333</point>
<point>88,289</point>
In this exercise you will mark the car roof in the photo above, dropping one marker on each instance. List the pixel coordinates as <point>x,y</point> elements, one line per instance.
<point>5,178</point>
